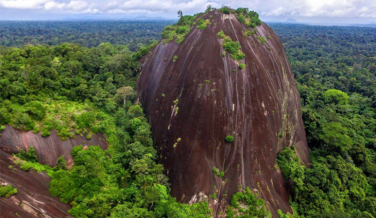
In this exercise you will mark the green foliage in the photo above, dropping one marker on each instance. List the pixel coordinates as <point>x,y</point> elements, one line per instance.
<point>61,163</point>
<point>241,19</point>
<point>135,111</point>
<point>232,47</point>
<point>336,96</point>
<point>174,58</point>
<point>179,30</point>
<point>288,163</point>
<point>229,138</point>
<point>246,204</point>
<point>7,191</point>
<point>64,82</point>
<point>30,155</point>
<point>27,165</point>
<point>221,34</point>
<point>336,136</point>
<point>143,51</point>
<point>250,18</point>
<point>261,39</point>
<point>36,110</point>
<point>89,33</point>
<point>179,39</point>
<point>218,173</point>
<point>225,10</point>
<point>202,24</point>
<point>242,66</point>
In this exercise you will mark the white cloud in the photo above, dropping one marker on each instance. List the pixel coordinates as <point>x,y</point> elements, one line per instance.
<point>304,8</point>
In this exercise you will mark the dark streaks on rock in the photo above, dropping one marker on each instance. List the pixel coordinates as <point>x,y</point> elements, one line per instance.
<point>255,105</point>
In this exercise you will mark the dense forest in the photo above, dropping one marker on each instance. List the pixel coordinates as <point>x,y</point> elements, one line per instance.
<point>76,90</point>
<point>134,34</point>
<point>334,67</point>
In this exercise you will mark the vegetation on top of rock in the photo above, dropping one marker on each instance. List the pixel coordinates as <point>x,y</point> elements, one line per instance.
<point>250,18</point>
<point>180,29</point>
<point>229,138</point>
<point>202,24</point>
<point>232,47</point>
<point>246,204</point>
<point>7,191</point>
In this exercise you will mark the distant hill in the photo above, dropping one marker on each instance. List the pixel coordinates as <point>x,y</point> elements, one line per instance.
<point>291,20</point>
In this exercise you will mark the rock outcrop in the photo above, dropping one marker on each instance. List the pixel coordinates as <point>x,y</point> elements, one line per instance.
<point>193,103</point>
<point>33,198</point>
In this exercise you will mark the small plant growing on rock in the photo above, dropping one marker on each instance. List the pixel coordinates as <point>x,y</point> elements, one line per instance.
<point>242,66</point>
<point>175,58</point>
<point>229,138</point>
<point>215,171</point>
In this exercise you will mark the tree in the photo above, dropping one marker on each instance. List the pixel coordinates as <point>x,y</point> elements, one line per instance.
<point>209,8</point>
<point>180,13</point>
<point>123,92</point>
<point>335,136</point>
<point>336,96</point>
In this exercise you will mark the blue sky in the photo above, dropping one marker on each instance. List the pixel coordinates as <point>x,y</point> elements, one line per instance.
<point>334,11</point>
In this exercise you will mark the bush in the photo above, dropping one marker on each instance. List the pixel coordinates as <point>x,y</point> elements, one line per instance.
<point>242,66</point>
<point>218,173</point>
<point>23,121</point>
<point>30,155</point>
<point>7,191</point>
<point>143,51</point>
<point>202,24</point>
<point>247,205</point>
<point>86,119</point>
<point>229,138</point>
<point>36,110</point>
<point>221,34</point>
<point>5,116</point>
<point>101,115</point>
<point>225,10</point>
<point>45,133</point>
<point>182,30</point>
<point>288,163</point>
<point>135,123</point>
<point>135,111</point>
<point>241,19</point>
<point>232,47</point>
<point>262,39</point>
<point>179,39</point>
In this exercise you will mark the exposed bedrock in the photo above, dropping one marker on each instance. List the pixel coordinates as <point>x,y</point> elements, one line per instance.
<point>33,198</point>
<point>258,105</point>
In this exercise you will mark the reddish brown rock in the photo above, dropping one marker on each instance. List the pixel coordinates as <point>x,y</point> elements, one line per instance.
<point>48,149</point>
<point>33,198</point>
<point>259,106</point>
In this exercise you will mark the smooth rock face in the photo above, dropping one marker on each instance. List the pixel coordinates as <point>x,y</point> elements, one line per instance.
<point>33,198</point>
<point>48,149</point>
<point>258,105</point>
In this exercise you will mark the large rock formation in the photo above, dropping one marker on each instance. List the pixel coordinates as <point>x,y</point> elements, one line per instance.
<point>193,103</point>
<point>33,198</point>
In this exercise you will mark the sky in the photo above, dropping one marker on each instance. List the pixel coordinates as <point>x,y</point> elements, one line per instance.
<point>305,11</point>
